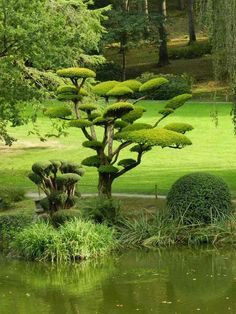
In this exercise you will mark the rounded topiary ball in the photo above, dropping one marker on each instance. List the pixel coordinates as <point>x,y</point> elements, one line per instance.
<point>199,198</point>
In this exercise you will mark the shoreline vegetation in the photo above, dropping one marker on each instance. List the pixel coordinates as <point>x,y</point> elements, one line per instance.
<point>21,236</point>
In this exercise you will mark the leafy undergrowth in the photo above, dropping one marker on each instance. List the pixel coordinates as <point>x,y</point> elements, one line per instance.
<point>161,231</point>
<point>75,240</point>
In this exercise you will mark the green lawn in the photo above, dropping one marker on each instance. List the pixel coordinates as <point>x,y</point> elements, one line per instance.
<point>213,150</point>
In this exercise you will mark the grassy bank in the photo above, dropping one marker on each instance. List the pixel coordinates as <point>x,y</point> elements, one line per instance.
<point>213,150</point>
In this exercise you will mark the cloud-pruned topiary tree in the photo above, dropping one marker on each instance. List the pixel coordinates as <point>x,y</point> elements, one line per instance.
<point>57,179</point>
<point>117,117</point>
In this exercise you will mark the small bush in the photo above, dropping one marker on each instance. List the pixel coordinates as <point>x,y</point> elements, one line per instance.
<point>199,198</point>
<point>103,210</point>
<point>177,85</point>
<point>108,71</point>
<point>73,241</point>
<point>10,225</point>
<point>8,196</point>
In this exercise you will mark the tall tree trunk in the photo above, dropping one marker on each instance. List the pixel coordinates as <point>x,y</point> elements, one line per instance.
<point>163,50</point>
<point>146,8</point>
<point>123,43</point>
<point>105,185</point>
<point>123,50</point>
<point>191,22</point>
<point>181,4</point>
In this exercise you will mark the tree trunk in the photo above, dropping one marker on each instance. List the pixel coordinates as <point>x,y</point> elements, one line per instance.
<point>105,185</point>
<point>146,9</point>
<point>123,43</point>
<point>163,50</point>
<point>181,5</point>
<point>191,22</point>
<point>123,49</point>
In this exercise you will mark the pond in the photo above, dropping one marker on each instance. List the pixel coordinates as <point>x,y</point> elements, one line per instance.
<point>165,281</point>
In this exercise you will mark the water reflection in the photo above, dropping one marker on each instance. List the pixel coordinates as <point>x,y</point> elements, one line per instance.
<point>166,281</point>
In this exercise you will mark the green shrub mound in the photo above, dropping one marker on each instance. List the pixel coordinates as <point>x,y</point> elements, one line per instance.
<point>199,197</point>
<point>73,241</point>
<point>76,73</point>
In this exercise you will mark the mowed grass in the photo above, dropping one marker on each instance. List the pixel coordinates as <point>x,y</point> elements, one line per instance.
<point>213,150</point>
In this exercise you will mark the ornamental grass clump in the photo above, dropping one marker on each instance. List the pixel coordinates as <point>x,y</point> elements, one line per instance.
<point>73,241</point>
<point>199,198</point>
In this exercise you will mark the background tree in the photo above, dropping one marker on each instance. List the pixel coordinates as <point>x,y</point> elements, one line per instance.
<point>40,34</point>
<point>191,22</point>
<point>181,4</point>
<point>127,25</point>
<point>117,121</point>
<point>163,49</point>
<point>219,18</point>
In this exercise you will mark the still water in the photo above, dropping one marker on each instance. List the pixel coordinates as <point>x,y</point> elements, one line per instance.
<point>179,281</point>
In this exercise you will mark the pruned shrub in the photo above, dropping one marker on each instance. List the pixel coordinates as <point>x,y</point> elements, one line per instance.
<point>199,198</point>
<point>57,179</point>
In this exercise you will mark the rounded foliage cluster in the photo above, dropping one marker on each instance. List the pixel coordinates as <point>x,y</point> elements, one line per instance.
<point>103,88</point>
<point>152,84</point>
<point>179,127</point>
<point>199,198</point>
<point>80,123</point>
<point>132,84</point>
<point>117,110</point>
<point>133,115</point>
<point>155,137</point>
<point>58,112</point>
<point>120,90</point>
<point>178,101</point>
<point>76,73</point>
